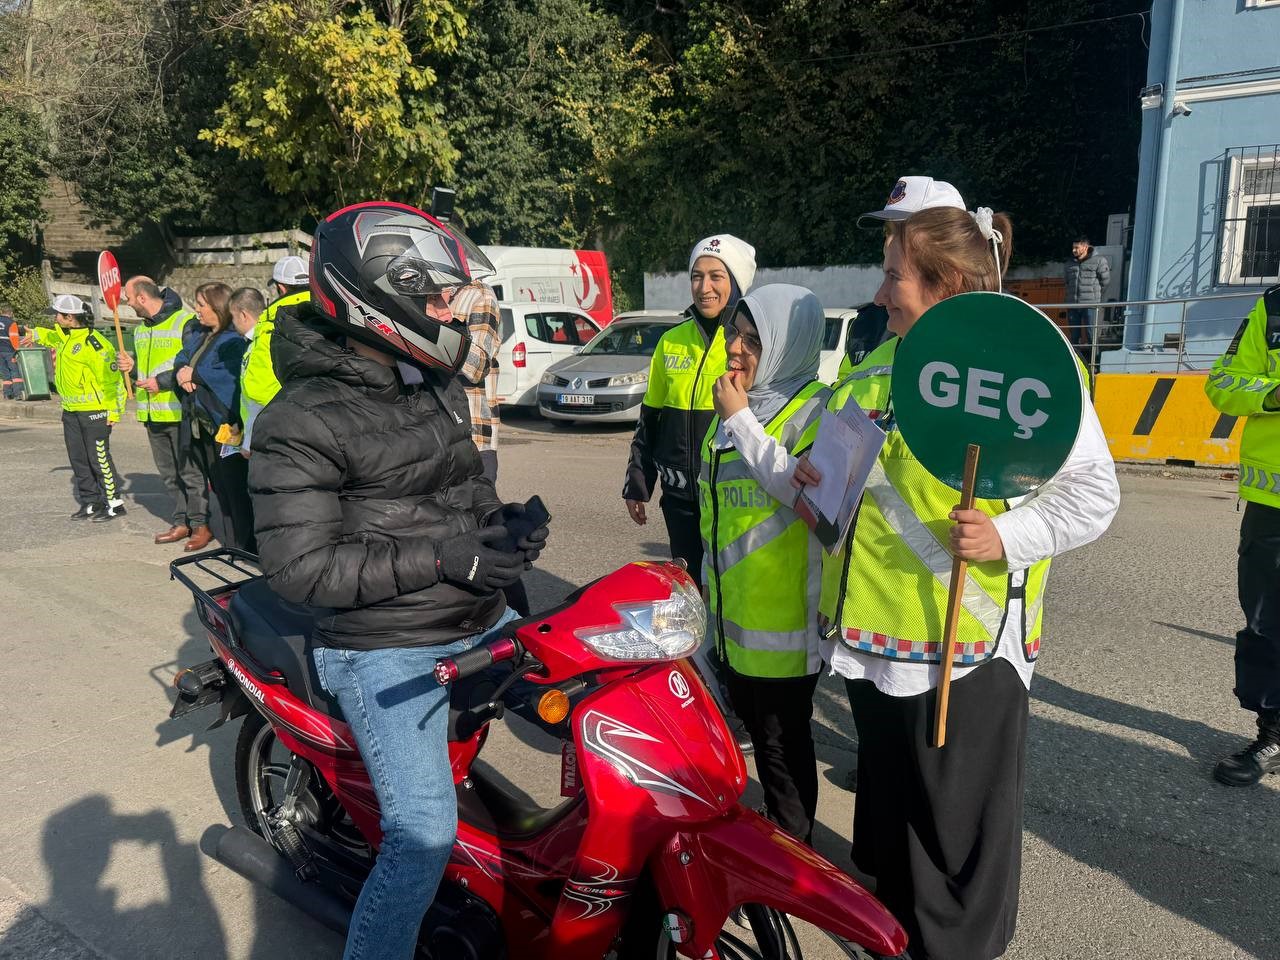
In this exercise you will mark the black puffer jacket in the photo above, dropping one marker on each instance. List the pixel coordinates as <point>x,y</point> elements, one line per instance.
<point>355,478</point>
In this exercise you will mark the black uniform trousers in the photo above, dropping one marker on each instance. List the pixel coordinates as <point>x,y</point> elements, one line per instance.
<point>940,830</point>
<point>88,437</point>
<point>1258,581</point>
<point>776,714</point>
<point>683,531</point>
<point>228,477</point>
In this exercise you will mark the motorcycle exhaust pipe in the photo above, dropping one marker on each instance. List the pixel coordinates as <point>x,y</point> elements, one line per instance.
<point>255,859</point>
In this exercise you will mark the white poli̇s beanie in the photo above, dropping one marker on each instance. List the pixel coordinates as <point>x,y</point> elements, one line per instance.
<point>738,256</point>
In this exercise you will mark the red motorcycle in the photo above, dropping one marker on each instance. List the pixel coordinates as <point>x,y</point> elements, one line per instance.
<point>650,855</point>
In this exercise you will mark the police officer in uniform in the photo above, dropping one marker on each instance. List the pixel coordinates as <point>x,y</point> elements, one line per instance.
<point>1244,383</point>
<point>677,407</point>
<point>92,394</point>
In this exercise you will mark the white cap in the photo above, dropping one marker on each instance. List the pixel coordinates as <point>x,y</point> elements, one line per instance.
<point>291,271</point>
<point>737,255</point>
<point>66,303</point>
<point>913,194</point>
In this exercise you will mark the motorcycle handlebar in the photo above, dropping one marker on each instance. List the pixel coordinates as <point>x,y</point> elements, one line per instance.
<point>471,662</point>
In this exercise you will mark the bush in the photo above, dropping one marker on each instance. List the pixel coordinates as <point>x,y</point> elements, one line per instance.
<point>24,291</point>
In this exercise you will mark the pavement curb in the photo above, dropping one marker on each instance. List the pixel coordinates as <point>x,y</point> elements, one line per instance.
<point>48,410</point>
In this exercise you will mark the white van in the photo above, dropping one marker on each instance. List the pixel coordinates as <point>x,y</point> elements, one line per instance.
<point>546,275</point>
<point>534,336</point>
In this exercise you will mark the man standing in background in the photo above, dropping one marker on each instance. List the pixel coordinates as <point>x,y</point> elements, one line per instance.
<point>157,341</point>
<point>1087,275</point>
<point>258,383</point>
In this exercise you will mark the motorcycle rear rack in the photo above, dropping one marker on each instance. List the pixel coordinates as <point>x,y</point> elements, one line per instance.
<point>230,569</point>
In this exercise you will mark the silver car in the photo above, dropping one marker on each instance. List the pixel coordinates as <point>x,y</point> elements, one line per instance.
<point>607,379</point>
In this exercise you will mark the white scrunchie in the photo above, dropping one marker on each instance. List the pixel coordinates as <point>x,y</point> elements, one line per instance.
<point>982,217</point>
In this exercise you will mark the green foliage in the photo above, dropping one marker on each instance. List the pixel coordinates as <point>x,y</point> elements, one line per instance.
<point>544,101</point>
<point>24,290</point>
<point>22,185</point>
<point>332,104</point>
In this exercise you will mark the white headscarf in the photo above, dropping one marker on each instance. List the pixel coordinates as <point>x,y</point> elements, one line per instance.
<point>791,325</point>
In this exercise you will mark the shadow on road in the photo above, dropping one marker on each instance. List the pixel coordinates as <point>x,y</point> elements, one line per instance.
<point>81,844</point>
<point>1192,632</point>
<point>1153,817</point>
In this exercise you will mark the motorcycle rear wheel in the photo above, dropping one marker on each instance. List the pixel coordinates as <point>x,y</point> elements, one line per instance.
<point>262,764</point>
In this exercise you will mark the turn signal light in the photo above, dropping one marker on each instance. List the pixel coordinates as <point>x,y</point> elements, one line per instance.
<point>553,706</point>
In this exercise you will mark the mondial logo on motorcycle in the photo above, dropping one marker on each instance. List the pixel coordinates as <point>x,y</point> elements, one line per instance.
<point>245,681</point>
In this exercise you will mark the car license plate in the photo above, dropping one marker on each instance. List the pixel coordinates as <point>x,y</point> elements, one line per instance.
<point>575,399</point>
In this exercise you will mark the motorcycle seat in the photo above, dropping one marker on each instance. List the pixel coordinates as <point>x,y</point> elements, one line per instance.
<point>277,635</point>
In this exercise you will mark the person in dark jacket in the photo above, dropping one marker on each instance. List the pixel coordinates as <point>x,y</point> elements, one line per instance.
<point>1087,274</point>
<point>207,376</point>
<point>371,503</point>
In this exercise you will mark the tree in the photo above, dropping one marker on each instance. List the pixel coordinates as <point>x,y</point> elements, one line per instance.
<point>329,99</point>
<point>542,102</point>
<point>23,184</point>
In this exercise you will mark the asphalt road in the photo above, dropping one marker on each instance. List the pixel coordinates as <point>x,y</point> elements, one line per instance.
<point>1130,850</point>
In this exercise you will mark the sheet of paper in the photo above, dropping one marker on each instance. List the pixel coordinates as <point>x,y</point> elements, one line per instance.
<point>843,453</point>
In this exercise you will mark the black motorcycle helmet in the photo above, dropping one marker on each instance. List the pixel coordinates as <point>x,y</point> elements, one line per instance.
<point>373,267</point>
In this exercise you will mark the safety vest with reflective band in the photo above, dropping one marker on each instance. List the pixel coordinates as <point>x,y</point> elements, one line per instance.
<point>269,314</point>
<point>885,592</point>
<point>85,371</point>
<point>1239,385</point>
<point>157,347</point>
<point>763,567</point>
<point>258,383</point>
<point>684,368</point>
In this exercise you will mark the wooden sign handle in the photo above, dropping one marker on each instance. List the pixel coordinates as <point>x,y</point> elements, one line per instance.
<point>115,315</point>
<point>958,570</point>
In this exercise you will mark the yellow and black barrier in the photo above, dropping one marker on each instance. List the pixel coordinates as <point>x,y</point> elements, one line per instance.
<point>1165,418</point>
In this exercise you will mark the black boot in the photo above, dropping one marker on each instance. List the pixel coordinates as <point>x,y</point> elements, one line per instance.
<point>88,510</point>
<point>1261,757</point>
<point>109,512</point>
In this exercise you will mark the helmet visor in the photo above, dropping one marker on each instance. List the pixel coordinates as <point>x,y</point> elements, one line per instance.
<point>411,276</point>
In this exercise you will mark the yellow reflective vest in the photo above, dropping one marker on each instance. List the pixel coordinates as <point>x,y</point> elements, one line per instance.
<point>258,383</point>
<point>885,592</point>
<point>85,371</point>
<point>157,347</point>
<point>763,567</point>
<point>676,411</point>
<point>1242,384</point>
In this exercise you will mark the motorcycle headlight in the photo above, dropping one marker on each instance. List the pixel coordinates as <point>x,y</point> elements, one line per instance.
<point>627,379</point>
<point>662,630</point>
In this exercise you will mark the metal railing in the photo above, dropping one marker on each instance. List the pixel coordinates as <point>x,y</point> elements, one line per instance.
<point>1111,314</point>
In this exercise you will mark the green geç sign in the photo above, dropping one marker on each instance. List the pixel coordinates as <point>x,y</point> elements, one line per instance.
<point>990,369</point>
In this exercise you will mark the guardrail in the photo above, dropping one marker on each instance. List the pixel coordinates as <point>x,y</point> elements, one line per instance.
<point>1171,345</point>
<point>239,249</point>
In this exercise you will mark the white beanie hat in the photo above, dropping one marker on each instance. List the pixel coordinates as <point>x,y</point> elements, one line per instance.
<point>737,255</point>
<point>291,271</point>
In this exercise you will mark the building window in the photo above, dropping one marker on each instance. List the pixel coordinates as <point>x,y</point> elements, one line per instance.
<point>1249,211</point>
<point>1262,3</point>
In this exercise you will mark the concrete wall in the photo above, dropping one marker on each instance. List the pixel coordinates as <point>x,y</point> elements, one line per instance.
<point>836,287</point>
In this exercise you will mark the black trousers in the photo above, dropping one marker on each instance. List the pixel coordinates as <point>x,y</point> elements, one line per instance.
<point>940,830</point>
<point>228,477</point>
<point>180,475</point>
<point>776,714</point>
<point>1258,581</point>
<point>683,532</point>
<point>88,438</point>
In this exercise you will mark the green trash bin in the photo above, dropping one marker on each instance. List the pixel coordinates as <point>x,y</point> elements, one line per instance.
<point>35,373</point>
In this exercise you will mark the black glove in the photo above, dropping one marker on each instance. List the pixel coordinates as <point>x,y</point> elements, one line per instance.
<point>524,534</point>
<point>471,561</point>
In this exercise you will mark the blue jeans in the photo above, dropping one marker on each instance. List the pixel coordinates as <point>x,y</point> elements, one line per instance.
<point>399,716</point>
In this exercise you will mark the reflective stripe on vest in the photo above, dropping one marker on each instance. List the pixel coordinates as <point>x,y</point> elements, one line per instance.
<point>885,592</point>
<point>157,348</point>
<point>763,582</point>
<point>1259,479</point>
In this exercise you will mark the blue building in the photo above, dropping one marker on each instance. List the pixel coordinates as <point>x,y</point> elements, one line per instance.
<point>1207,216</point>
